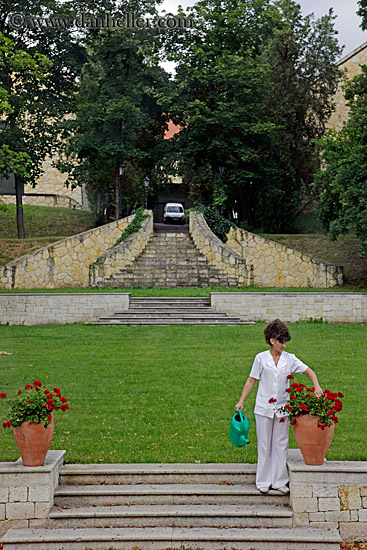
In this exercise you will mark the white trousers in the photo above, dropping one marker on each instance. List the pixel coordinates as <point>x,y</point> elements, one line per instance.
<point>272,450</point>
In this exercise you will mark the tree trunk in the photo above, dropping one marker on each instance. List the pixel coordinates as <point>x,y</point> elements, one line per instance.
<point>19,204</point>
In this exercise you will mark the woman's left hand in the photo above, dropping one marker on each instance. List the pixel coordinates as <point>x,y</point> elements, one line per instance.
<point>318,392</point>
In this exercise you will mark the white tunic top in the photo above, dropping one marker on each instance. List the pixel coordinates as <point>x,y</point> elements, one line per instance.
<point>273,380</point>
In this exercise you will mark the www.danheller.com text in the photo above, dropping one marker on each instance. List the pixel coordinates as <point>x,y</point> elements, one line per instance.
<point>106,20</point>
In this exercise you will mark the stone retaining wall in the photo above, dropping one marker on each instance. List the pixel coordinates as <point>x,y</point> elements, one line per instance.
<point>217,253</point>
<point>60,201</point>
<point>276,265</point>
<point>43,309</point>
<point>26,493</point>
<point>290,307</point>
<point>64,264</point>
<point>121,256</point>
<point>331,496</point>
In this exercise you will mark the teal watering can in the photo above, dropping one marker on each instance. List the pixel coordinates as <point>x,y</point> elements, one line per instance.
<point>238,430</point>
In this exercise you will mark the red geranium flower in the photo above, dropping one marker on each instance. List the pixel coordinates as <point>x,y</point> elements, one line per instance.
<point>288,390</point>
<point>304,407</point>
<point>37,383</point>
<point>63,400</point>
<point>28,387</point>
<point>7,424</point>
<point>282,420</point>
<point>289,408</point>
<point>3,395</point>
<point>290,377</point>
<point>272,400</point>
<point>19,392</point>
<point>334,419</point>
<point>293,397</point>
<point>64,407</point>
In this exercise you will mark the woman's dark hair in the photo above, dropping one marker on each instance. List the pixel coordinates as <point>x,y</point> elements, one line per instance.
<point>277,330</point>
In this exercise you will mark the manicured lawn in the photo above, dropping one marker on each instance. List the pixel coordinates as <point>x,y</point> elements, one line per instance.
<point>167,394</point>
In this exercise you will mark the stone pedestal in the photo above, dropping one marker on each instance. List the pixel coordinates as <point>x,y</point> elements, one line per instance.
<point>331,496</point>
<point>27,493</point>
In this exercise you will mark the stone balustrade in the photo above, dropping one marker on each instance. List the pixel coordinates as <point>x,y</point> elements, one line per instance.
<point>121,256</point>
<point>217,253</point>
<point>276,265</point>
<point>64,264</point>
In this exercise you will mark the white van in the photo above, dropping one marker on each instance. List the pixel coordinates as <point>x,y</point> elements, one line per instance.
<point>174,213</point>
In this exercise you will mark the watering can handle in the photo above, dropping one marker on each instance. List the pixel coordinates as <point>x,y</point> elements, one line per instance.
<point>241,415</point>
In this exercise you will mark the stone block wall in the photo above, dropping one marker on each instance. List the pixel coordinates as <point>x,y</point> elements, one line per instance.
<point>60,201</point>
<point>276,265</point>
<point>64,264</point>
<point>331,496</point>
<point>217,253</point>
<point>26,493</point>
<point>122,255</point>
<point>290,307</point>
<point>43,309</point>
<point>351,65</point>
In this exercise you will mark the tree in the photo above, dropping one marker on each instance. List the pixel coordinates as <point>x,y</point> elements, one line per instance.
<point>302,77</point>
<point>343,180</point>
<point>253,89</point>
<point>216,98</point>
<point>362,12</point>
<point>117,119</point>
<point>22,75</point>
<point>40,64</point>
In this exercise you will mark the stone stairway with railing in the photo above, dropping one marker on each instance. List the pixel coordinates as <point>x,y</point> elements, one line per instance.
<point>170,311</point>
<point>167,506</point>
<point>170,260</point>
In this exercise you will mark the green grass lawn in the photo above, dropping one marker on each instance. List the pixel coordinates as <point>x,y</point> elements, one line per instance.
<point>167,394</point>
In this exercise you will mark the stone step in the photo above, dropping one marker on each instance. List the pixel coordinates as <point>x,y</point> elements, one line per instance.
<point>169,300</point>
<point>166,493</point>
<point>149,473</point>
<point>183,315</point>
<point>199,310</point>
<point>170,260</point>
<point>187,515</point>
<point>172,537</point>
<point>166,322</point>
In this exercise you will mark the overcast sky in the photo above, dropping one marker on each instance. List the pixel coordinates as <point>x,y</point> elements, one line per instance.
<point>347,22</point>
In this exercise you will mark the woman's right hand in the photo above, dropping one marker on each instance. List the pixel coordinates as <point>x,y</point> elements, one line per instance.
<point>238,405</point>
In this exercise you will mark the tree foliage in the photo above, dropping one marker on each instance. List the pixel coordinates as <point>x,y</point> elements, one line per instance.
<point>302,79</point>
<point>252,91</point>
<point>343,180</point>
<point>362,12</point>
<point>117,119</point>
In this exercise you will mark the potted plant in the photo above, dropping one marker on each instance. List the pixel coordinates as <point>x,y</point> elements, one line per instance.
<point>313,419</point>
<point>31,417</point>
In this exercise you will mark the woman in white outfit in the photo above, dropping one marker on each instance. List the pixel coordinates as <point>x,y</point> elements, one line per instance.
<point>272,368</point>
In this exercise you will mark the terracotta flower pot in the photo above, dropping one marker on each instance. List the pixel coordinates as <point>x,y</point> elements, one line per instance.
<point>33,441</point>
<point>312,441</point>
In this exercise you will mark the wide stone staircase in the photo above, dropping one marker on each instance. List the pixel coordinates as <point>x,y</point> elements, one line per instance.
<point>170,260</point>
<point>167,506</point>
<point>170,311</point>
